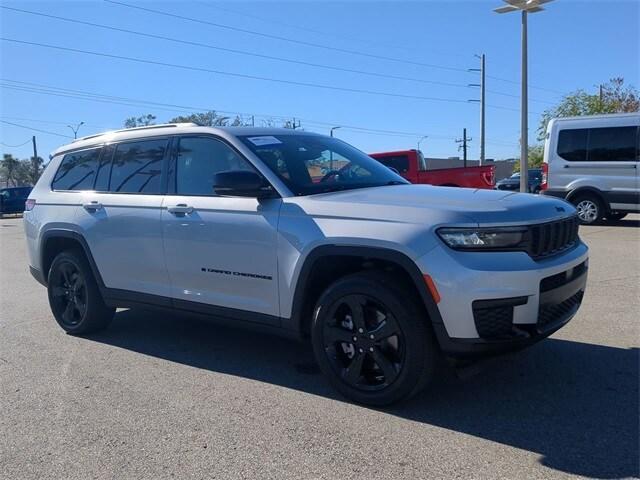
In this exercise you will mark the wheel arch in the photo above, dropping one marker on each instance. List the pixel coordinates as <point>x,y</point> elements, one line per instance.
<point>308,288</point>
<point>591,191</point>
<point>56,240</point>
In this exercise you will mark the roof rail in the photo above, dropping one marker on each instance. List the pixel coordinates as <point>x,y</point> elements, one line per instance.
<point>147,127</point>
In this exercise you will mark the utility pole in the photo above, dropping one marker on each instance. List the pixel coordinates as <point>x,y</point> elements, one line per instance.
<point>35,160</point>
<point>481,101</point>
<point>600,96</point>
<point>463,141</point>
<point>253,121</point>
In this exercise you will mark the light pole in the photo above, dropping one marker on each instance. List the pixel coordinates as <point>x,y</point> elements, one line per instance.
<point>424,137</point>
<point>332,129</point>
<point>526,7</point>
<point>75,130</point>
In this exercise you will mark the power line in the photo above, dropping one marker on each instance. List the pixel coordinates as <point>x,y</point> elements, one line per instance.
<point>309,44</point>
<point>256,55</point>
<point>285,39</point>
<point>247,76</point>
<point>38,88</point>
<point>231,74</point>
<point>235,51</point>
<point>15,146</point>
<point>35,129</point>
<point>323,33</point>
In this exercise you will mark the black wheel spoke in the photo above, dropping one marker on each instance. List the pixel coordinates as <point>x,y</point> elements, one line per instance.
<point>354,371</point>
<point>67,314</point>
<point>337,334</point>
<point>387,367</point>
<point>356,305</point>
<point>388,328</point>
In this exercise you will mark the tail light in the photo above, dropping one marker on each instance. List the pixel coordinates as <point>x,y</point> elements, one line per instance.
<point>29,204</point>
<point>545,177</point>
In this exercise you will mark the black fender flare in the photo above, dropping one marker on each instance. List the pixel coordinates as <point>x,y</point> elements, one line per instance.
<point>73,235</point>
<point>370,253</point>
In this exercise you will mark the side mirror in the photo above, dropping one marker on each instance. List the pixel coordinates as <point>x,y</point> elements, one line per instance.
<point>240,183</point>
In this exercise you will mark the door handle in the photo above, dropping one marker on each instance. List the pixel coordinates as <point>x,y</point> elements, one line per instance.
<point>93,205</point>
<point>181,208</point>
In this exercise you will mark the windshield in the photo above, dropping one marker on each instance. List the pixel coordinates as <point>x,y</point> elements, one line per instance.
<point>310,164</point>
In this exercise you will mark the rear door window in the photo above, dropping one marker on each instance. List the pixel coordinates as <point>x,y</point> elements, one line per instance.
<point>613,144</point>
<point>77,170</point>
<point>137,167</point>
<point>572,144</point>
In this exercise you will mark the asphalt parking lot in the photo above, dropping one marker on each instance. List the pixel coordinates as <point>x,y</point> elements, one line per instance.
<point>160,397</point>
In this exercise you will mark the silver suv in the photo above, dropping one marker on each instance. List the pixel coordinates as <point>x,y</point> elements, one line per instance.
<point>303,235</point>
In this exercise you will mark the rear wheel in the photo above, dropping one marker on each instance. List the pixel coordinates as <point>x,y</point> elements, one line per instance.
<point>74,296</point>
<point>371,341</point>
<point>590,209</point>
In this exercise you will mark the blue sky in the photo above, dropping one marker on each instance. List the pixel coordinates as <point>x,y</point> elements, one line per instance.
<point>572,45</point>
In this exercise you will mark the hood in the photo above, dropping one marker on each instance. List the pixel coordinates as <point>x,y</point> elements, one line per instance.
<point>434,205</point>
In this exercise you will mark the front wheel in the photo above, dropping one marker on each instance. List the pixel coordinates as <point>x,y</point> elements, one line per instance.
<point>371,341</point>
<point>590,210</point>
<point>74,296</point>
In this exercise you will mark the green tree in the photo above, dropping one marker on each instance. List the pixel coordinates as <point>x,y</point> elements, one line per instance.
<point>616,97</point>
<point>9,169</point>
<point>204,119</point>
<point>535,157</point>
<point>141,121</point>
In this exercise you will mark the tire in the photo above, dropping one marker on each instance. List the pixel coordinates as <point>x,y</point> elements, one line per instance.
<point>614,217</point>
<point>393,357</point>
<point>74,296</point>
<point>590,208</point>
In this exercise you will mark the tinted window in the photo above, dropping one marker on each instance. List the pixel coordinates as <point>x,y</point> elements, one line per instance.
<point>137,167</point>
<point>104,169</point>
<point>77,171</point>
<point>399,162</point>
<point>572,144</point>
<point>310,164</point>
<point>616,144</point>
<point>199,159</point>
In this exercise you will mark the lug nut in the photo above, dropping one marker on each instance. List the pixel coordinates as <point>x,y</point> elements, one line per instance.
<point>371,337</point>
<point>360,330</point>
<point>355,339</point>
<point>360,350</point>
<point>371,349</point>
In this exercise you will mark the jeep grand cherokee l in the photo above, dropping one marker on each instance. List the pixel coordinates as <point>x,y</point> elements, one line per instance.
<point>304,235</point>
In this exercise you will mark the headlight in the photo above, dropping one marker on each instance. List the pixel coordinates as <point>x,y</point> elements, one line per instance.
<point>484,238</point>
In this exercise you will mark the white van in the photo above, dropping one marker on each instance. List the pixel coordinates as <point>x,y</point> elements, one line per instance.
<point>592,162</point>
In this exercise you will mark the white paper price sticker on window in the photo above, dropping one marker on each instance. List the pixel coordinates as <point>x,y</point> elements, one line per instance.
<point>264,140</point>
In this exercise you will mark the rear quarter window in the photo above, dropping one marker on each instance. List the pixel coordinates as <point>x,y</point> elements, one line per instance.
<point>77,170</point>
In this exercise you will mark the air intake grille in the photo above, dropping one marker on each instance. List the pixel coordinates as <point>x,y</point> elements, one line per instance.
<point>552,238</point>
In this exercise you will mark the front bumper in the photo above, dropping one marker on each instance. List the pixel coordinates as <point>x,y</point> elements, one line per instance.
<point>503,301</point>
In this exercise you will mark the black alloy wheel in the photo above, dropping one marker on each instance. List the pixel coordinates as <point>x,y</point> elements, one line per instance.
<point>363,342</point>
<point>69,294</point>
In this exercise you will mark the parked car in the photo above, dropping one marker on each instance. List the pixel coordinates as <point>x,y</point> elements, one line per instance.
<point>593,162</point>
<point>383,277</point>
<point>411,165</point>
<point>12,199</point>
<point>513,182</point>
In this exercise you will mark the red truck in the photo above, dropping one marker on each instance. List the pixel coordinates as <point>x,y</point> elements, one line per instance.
<point>412,166</point>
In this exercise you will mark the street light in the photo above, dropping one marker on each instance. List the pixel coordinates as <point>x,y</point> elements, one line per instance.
<point>332,129</point>
<point>525,6</point>
<point>75,130</point>
<point>424,137</point>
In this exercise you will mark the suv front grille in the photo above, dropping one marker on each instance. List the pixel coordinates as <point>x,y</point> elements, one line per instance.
<point>552,238</point>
